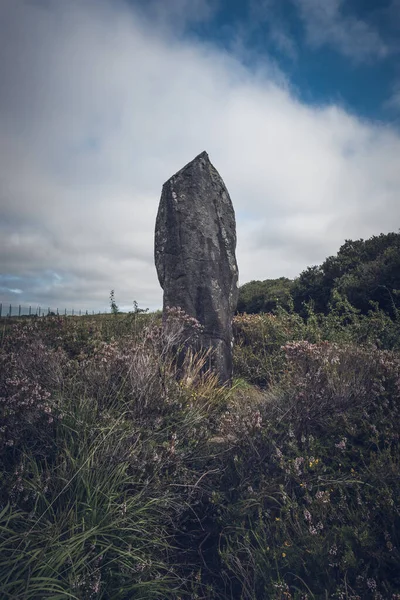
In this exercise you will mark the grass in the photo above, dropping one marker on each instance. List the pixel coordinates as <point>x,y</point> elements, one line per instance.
<point>122,478</point>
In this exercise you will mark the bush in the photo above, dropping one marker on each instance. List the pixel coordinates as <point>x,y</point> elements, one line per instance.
<point>258,355</point>
<point>126,473</point>
<point>308,502</point>
<point>94,497</point>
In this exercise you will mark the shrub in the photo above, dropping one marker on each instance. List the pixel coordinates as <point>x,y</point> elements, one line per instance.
<point>258,355</point>
<point>308,501</point>
<point>94,509</point>
<point>134,475</point>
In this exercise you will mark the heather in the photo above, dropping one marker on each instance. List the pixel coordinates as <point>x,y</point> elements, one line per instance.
<point>125,475</point>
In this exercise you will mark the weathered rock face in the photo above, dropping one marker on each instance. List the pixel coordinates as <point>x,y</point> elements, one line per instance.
<point>195,243</point>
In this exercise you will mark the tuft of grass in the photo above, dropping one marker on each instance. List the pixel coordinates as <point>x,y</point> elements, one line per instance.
<point>92,507</point>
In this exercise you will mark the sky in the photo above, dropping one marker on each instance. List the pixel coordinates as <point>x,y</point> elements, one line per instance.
<point>297,103</point>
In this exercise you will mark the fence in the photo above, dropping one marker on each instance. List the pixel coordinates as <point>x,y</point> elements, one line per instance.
<point>8,310</point>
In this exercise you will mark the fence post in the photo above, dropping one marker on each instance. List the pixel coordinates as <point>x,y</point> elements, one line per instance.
<point>19,310</point>
<point>39,311</point>
<point>10,311</point>
<point>72,312</point>
<point>1,308</point>
<point>30,311</point>
<point>57,312</point>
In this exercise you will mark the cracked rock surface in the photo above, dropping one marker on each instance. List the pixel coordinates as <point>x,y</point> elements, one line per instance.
<point>195,242</point>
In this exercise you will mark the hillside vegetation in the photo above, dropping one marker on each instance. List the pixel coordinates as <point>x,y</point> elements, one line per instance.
<point>120,480</point>
<point>364,271</point>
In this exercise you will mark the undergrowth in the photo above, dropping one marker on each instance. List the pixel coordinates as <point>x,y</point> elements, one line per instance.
<point>124,477</point>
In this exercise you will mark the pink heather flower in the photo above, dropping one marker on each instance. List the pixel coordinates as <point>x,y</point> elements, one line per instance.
<point>307,515</point>
<point>298,462</point>
<point>342,444</point>
<point>371,583</point>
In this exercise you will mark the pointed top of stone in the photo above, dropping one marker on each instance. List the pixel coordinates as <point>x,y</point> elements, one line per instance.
<point>201,158</point>
<point>201,155</point>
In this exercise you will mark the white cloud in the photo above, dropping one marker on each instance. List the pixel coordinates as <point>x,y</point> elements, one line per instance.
<point>326,23</point>
<point>176,14</point>
<point>98,107</point>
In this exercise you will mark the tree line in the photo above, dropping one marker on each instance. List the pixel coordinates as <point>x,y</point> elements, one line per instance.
<point>366,272</point>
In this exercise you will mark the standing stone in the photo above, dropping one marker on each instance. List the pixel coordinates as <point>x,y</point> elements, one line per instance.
<point>195,241</point>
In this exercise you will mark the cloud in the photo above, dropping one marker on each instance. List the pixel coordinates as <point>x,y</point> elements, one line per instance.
<point>326,23</point>
<point>182,11</point>
<point>99,106</point>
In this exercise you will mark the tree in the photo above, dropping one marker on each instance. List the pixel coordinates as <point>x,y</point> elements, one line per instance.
<point>113,304</point>
<point>264,296</point>
<point>364,271</point>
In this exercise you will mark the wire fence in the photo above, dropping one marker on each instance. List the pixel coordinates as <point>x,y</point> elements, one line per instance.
<point>10,310</point>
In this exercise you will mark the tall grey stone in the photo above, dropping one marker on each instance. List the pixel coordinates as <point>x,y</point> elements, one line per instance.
<point>195,241</point>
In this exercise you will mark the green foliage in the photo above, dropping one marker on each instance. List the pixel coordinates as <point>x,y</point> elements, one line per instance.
<point>308,503</point>
<point>113,304</point>
<point>138,310</point>
<point>102,468</point>
<point>258,355</point>
<point>123,477</point>
<point>259,338</point>
<point>264,296</point>
<point>364,271</point>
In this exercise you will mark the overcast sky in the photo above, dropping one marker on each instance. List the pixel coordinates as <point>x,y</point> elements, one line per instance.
<point>297,103</point>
